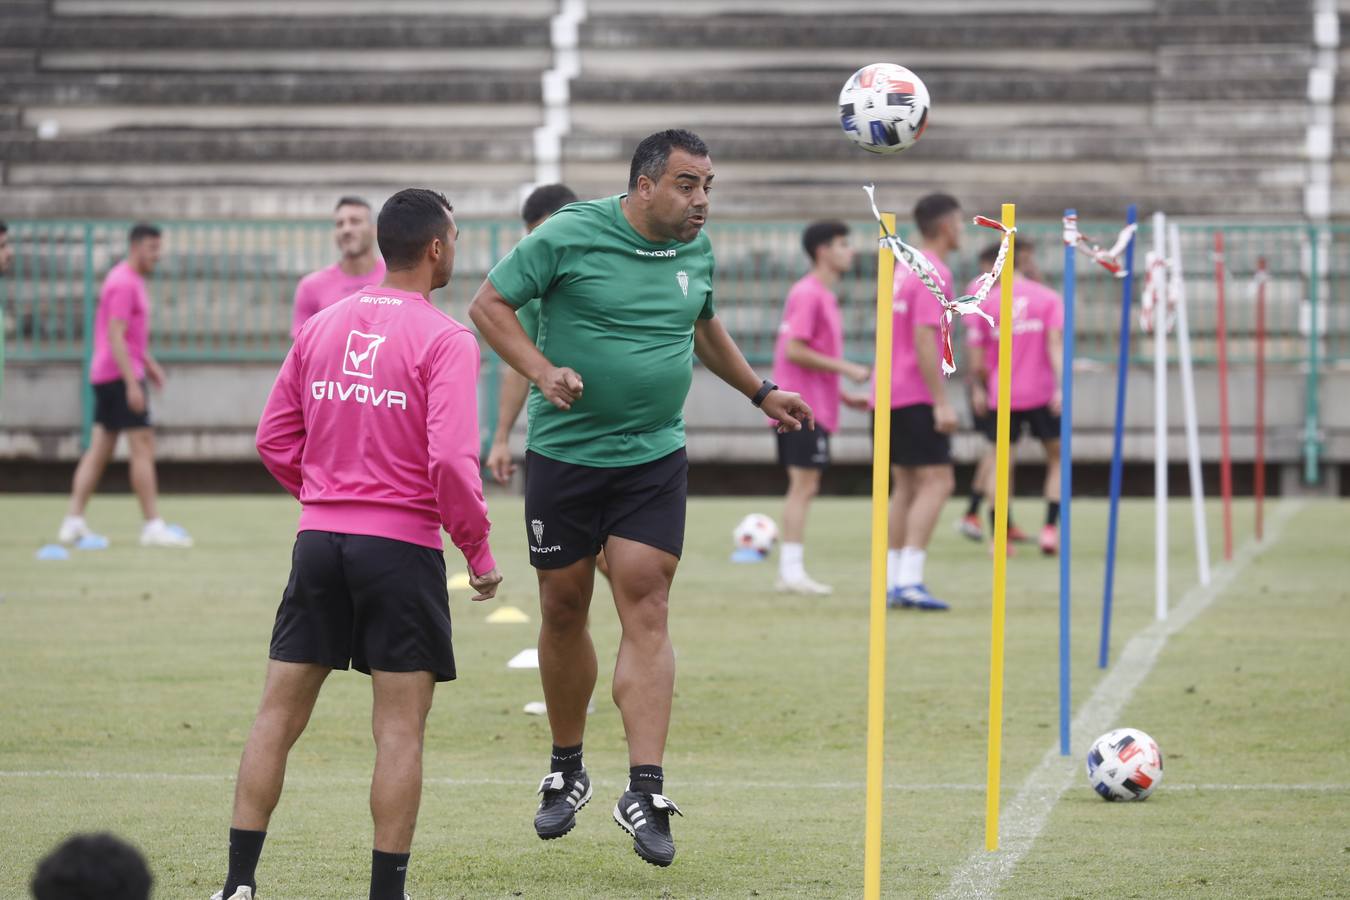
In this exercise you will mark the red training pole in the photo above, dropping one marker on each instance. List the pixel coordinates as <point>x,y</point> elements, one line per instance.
<point>1260,486</point>
<point>1226,461</point>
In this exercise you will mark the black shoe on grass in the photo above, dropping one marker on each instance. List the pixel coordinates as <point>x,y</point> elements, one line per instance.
<point>563,794</point>
<point>647,818</point>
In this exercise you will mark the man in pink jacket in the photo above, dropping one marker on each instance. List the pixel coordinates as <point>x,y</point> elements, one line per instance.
<point>373,425</point>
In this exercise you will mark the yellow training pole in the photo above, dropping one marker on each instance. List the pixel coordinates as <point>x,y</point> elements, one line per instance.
<point>1005,317</point>
<point>876,656</point>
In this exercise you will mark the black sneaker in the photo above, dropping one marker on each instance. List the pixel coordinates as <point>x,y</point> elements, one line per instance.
<point>563,794</point>
<point>647,818</point>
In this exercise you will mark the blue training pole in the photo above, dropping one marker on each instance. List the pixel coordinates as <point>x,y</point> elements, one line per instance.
<point>1066,486</point>
<point>1122,370</point>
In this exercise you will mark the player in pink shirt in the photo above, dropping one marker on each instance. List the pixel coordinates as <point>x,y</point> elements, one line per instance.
<point>118,371</point>
<point>373,425</point>
<point>360,265</point>
<point>1037,361</point>
<point>809,359</point>
<point>969,524</point>
<point>922,419</point>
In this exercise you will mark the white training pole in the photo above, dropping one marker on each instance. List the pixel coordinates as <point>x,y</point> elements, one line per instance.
<point>1188,403</point>
<point>1160,416</point>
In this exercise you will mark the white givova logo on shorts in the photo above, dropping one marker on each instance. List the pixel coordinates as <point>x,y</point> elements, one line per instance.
<point>537,528</point>
<point>683,279</point>
<point>358,360</point>
<point>359,357</point>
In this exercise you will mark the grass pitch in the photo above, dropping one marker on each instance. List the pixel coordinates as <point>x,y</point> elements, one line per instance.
<point>129,677</point>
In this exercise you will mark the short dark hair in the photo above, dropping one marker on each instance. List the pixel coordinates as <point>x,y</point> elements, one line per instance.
<point>818,234</point>
<point>653,153</point>
<point>350,200</point>
<point>92,867</point>
<point>410,220</point>
<point>989,254</point>
<point>142,230</point>
<point>545,200</point>
<point>930,209</point>
<point>4,227</point>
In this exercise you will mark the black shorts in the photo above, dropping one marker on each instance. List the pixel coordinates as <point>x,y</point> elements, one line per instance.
<point>1041,422</point>
<point>914,440</point>
<point>371,602</point>
<point>804,449</point>
<point>571,510</point>
<point>111,410</point>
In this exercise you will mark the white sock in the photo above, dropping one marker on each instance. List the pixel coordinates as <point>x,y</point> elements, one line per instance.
<point>790,562</point>
<point>911,566</point>
<point>153,523</point>
<point>893,558</point>
<point>72,521</point>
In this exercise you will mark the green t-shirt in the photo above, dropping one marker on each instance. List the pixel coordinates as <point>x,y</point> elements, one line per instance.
<point>619,310</point>
<point>529,319</point>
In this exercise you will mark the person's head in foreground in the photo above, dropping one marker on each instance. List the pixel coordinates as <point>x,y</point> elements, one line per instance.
<point>92,867</point>
<point>668,185</point>
<point>417,228</point>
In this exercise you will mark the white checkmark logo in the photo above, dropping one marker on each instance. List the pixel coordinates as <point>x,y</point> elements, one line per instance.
<point>354,363</point>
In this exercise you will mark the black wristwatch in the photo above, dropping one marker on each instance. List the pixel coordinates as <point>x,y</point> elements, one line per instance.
<point>764,390</point>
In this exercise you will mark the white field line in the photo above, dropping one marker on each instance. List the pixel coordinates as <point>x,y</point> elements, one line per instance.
<point>1023,819</point>
<point>693,786</point>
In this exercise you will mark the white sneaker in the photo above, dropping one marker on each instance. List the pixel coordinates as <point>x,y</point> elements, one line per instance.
<point>161,534</point>
<point>74,528</point>
<point>802,585</point>
<point>242,893</point>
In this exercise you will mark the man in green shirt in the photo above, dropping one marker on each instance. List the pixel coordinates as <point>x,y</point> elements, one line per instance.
<point>626,300</point>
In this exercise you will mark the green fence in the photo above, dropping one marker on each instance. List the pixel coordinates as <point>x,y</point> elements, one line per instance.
<point>223,290</point>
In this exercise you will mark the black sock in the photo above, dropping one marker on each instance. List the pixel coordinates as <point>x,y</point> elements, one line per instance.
<point>648,779</point>
<point>245,848</point>
<point>387,874</point>
<point>565,759</point>
<point>976,498</point>
<point>991,521</point>
<point>1052,512</point>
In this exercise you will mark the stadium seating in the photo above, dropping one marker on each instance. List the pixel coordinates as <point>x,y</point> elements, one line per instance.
<point>117,108</point>
<point>204,107</point>
<point>1195,106</point>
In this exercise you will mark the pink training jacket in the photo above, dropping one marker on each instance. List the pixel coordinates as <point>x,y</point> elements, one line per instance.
<point>373,424</point>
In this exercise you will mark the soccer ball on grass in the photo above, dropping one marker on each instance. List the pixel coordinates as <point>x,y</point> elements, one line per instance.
<point>756,532</point>
<point>1124,764</point>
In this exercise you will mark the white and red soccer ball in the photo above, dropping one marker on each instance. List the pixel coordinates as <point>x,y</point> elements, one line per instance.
<point>1124,764</point>
<point>756,532</point>
<point>883,108</point>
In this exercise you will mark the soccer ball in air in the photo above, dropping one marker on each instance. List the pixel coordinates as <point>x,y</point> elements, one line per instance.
<point>1124,764</point>
<point>756,532</point>
<point>883,108</point>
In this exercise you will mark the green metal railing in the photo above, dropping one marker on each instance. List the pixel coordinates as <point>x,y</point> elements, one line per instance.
<point>223,290</point>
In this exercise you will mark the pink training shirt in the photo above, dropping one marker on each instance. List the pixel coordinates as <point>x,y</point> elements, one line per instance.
<point>319,290</point>
<point>1037,310</point>
<point>914,305</point>
<point>812,316</point>
<point>123,297</point>
<point>373,424</point>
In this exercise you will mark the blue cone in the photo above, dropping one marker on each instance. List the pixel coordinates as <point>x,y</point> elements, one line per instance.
<point>746,555</point>
<point>53,551</point>
<point>92,542</point>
